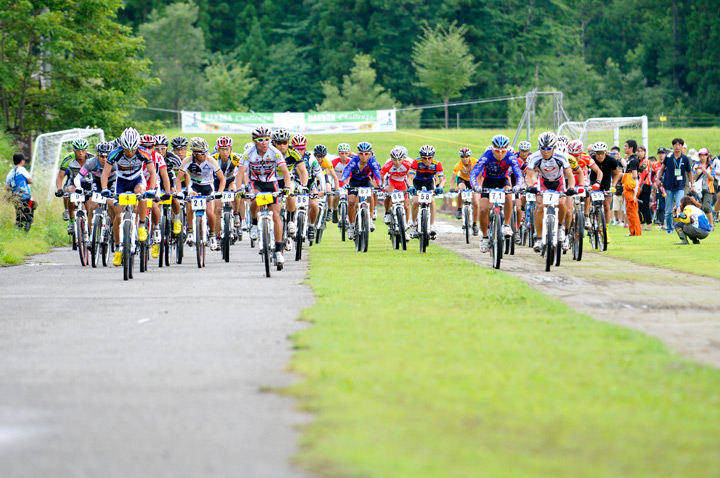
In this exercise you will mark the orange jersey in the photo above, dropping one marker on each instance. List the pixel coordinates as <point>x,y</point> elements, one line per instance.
<point>585,162</point>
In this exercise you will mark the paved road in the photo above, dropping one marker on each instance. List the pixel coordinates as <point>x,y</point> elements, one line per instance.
<point>162,376</point>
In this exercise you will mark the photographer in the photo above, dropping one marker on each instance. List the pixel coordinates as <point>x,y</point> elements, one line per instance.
<point>18,182</point>
<point>691,222</point>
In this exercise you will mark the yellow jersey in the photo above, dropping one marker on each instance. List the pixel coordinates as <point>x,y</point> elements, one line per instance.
<point>463,171</point>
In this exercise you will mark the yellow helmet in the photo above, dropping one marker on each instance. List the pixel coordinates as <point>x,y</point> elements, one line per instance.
<point>573,161</point>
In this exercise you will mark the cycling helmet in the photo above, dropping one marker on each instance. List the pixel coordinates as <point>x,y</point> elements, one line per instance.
<point>103,148</point>
<point>147,140</point>
<point>364,147</point>
<point>547,140</point>
<point>280,136</point>
<point>179,142</point>
<point>161,140</point>
<point>397,153</point>
<point>224,142</point>
<point>198,145</point>
<point>343,148</point>
<point>320,151</point>
<point>500,141</point>
<point>524,146</point>
<point>130,139</point>
<point>600,147</point>
<point>427,151</point>
<point>299,141</point>
<point>563,139</point>
<point>465,152</point>
<point>260,132</point>
<point>80,144</point>
<point>561,148</point>
<point>573,162</point>
<point>116,143</point>
<point>575,147</point>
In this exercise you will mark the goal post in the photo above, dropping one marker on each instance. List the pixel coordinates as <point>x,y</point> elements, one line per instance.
<point>50,148</point>
<point>614,131</point>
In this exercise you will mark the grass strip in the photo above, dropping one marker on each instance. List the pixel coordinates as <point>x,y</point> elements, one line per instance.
<point>430,366</point>
<point>48,231</point>
<point>656,248</point>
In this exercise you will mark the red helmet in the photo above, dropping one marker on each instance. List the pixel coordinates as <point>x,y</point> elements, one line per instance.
<point>575,147</point>
<point>147,140</point>
<point>299,141</point>
<point>224,142</point>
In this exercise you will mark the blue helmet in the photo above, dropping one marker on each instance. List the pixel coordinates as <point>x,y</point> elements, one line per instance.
<point>364,147</point>
<point>500,141</point>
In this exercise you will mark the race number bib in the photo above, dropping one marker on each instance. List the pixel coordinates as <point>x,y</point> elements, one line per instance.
<point>466,196</point>
<point>397,196</point>
<point>98,198</point>
<point>228,196</point>
<point>302,200</point>
<point>530,197</point>
<point>497,197</point>
<point>551,198</point>
<point>597,196</point>
<point>199,203</point>
<point>424,197</point>
<point>76,197</point>
<point>364,192</point>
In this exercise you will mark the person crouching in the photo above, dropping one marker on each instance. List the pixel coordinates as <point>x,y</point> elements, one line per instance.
<point>691,223</point>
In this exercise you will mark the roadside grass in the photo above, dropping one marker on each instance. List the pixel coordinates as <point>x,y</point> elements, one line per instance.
<point>48,231</point>
<point>430,366</point>
<point>656,248</point>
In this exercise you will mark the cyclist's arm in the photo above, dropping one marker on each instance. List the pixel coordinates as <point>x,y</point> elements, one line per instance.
<point>165,179</point>
<point>598,173</point>
<point>153,175</point>
<point>59,180</point>
<point>286,174</point>
<point>107,169</point>
<point>301,168</point>
<point>475,172</point>
<point>570,177</point>
<point>218,172</point>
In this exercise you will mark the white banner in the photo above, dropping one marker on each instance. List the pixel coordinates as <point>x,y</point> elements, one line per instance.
<point>374,121</point>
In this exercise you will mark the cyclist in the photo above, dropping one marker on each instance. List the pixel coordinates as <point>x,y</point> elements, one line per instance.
<point>173,162</point>
<point>493,167</point>
<point>331,179</point>
<point>395,172</point>
<point>553,169</point>
<point>200,170</point>
<point>580,161</point>
<point>77,158</point>
<point>316,185</point>
<point>261,161</point>
<point>339,164</point>
<point>93,169</point>
<point>147,141</point>
<point>611,174</point>
<point>298,174</point>
<point>362,171</point>
<point>129,160</point>
<point>228,162</point>
<point>425,172</point>
<point>461,179</point>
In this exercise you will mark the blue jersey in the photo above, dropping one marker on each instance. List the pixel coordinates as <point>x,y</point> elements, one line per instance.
<point>372,168</point>
<point>17,179</point>
<point>489,167</point>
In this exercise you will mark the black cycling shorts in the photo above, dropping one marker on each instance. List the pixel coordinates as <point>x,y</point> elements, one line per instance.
<point>358,183</point>
<point>494,183</point>
<point>204,189</point>
<point>428,184</point>
<point>459,180</point>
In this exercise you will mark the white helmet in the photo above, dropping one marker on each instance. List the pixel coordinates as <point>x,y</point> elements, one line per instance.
<point>563,139</point>
<point>547,140</point>
<point>524,146</point>
<point>130,139</point>
<point>561,148</point>
<point>600,146</point>
<point>397,153</point>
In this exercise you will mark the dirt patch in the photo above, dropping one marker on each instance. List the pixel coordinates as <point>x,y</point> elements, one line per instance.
<point>682,310</point>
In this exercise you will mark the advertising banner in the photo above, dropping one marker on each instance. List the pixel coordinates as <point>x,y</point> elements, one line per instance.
<point>329,122</point>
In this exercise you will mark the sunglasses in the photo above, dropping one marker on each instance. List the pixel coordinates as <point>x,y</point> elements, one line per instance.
<point>364,154</point>
<point>547,149</point>
<point>281,142</point>
<point>500,151</point>
<point>426,157</point>
<point>263,140</point>
<point>465,157</point>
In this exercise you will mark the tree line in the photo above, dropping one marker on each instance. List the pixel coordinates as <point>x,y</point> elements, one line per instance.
<point>609,57</point>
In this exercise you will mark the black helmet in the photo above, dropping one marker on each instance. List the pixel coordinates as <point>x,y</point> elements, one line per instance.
<point>320,150</point>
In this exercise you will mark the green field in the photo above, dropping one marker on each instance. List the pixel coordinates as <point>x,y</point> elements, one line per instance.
<point>410,376</point>
<point>656,248</point>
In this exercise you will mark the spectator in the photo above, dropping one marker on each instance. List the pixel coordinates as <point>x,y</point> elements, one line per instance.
<point>618,208</point>
<point>658,189</point>
<point>18,182</point>
<point>630,182</point>
<point>675,171</point>
<point>691,222</point>
<point>703,186</point>
<point>716,184</point>
<point>644,192</point>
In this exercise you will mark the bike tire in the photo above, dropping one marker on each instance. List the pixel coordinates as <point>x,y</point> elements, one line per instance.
<point>127,252</point>
<point>266,247</point>
<point>199,246</point>
<point>468,225</point>
<point>179,246</point>
<point>498,241</point>
<point>226,237</point>
<point>423,223</point>
<point>392,232</point>
<point>558,254</point>
<point>401,228</point>
<point>602,231</point>
<point>167,240</point>
<point>365,229</point>
<point>163,244</point>
<point>81,244</point>
<point>579,234</point>
<point>343,221</point>
<point>143,256</point>
<point>549,246</point>
<point>300,222</point>
<point>531,228</point>
<point>95,241</point>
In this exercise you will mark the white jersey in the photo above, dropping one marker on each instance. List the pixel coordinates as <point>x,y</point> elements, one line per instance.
<point>550,169</point>
<point>262,169</point>
<point>202,174</point>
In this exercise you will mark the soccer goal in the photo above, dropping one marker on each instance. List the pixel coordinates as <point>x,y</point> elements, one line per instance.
<point>612,131</point>
<point>50,148</point>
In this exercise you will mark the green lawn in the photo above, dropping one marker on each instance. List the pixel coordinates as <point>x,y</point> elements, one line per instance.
<point>656,248</point>
<point>410,375</point>
<point>48,231</point>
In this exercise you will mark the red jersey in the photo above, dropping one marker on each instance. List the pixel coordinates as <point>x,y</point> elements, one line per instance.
<point>159,163</point>
<point>397,175</point>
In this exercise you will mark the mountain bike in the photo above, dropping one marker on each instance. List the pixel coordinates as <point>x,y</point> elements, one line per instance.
<point>302,203</point>
<point>343,212</point>
<point>497,219</point>
<point>226,224</point>
<point>598,225</point>
<point>178,240</point>
<point>144,246</point>
<point>527,227</point>
<point>362,219</point>
<point>551,249</point>
<point>128,232</point>
<point>424,198</point>
<point>165,240</point>
<point>266,226</point>
<point>248,222</point>
<point>80,228</point>
<point>576,233</point>
<point>200,229</point>
<point>510,241</point>
<point>101,236</point>
<point>396,228</point>
<point>321,218</point>
<point>466,196</point>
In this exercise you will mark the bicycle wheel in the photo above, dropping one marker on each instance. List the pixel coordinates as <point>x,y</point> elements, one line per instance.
<point>498,241</point>
<point>199,241</point>
<point>163,242</point>
<point>531,228</point>
<point>579,235</point>
<point>558,254</point>
<point>298,235</point>
<point>126,251</point>
<point>95,240</point>
<point>179,245</point>
<point>401,228</point>
<point>365,229</point>
<point>423,232</point>
<point>167,240</point>
<point>343,220</point>
<point>466,223</point>
<point>549,246</point>
<point>81,243</point>
<point>602,232</point>
<point>266,246</point>
<point>226,236</point>
<point>392,232</point>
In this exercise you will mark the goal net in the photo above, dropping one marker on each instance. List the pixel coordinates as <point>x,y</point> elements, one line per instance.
<point>612,131</point>
<point>50,148</point>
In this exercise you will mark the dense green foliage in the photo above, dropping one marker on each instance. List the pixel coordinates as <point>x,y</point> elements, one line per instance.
<point>610,57</point>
